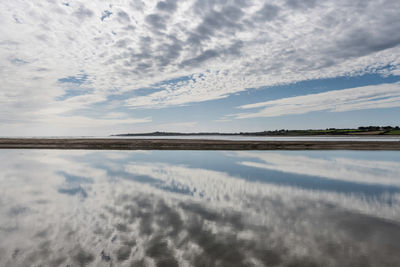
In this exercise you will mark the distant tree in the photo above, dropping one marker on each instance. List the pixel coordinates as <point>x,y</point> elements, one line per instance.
<point>373,128</point>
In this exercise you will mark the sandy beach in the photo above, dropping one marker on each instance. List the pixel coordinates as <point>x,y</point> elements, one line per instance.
<point>189,144</point>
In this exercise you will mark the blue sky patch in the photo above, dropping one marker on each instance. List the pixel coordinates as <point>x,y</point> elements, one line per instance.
<point>105,14</point>
<point>78,79</point>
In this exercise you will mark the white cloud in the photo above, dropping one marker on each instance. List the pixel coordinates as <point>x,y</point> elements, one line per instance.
<point>227,47</point>
<point>366,97</point>
<point>81,121</point>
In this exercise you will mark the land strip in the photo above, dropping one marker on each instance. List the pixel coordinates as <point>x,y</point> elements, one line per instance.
<point>368,130</point>
<point>189,144</point>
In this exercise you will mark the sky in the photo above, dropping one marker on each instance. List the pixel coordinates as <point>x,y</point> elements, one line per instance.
<point>70,68</point>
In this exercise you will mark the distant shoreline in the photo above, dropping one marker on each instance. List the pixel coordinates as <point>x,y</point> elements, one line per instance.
<point>189,144</point>
<point>360,131</point>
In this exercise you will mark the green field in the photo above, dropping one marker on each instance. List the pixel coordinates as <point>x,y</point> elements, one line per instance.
<point>392,132</point>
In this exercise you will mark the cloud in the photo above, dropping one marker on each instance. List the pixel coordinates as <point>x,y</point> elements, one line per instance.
<point>123,17</point>
<point>267,12</point>
<point>156,21</point>
<point>226,46</point>
<point>82,121</point>
<point>169,5</point>
<point>301,4</point>
<point>366,97</point>
<point>82,13</point>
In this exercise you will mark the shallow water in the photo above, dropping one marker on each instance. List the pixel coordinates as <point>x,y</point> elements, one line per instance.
<point>272,138</point>
<point>381,138</point>
<point>199,208</point>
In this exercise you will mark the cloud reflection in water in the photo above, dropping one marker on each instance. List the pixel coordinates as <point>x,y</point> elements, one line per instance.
<point>137,212</point>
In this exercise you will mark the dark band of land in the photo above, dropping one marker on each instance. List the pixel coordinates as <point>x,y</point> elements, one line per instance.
<point>189,144</point>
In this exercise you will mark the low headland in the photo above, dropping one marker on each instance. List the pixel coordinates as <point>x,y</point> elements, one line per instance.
<point>362,130</point>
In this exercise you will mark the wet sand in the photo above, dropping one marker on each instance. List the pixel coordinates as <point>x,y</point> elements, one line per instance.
<point>189,144</point>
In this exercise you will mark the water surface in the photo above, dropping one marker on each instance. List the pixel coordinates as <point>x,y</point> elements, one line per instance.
<point>199,208</point>
<point>273,138</point>
<point>366,138</point>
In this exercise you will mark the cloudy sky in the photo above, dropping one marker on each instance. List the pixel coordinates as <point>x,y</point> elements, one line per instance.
<point>103,67</point>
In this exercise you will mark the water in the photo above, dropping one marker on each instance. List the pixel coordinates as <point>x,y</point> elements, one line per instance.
<point>199,208</point>
<point>272,138</point>
<point>386,138</point>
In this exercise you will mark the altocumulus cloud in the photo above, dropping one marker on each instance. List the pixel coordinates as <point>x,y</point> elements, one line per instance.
<point>224,46</point>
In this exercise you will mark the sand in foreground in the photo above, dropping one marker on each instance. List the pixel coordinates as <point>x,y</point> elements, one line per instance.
<point>189,144</point>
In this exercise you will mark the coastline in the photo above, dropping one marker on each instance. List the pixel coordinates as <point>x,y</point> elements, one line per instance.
<point>189,144</point>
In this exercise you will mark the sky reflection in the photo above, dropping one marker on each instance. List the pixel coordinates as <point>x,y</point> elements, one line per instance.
<point>186,208</point>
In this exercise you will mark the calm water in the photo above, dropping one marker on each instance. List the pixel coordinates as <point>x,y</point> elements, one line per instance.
<point>199,208</point>
<point>385,138</point>
<point>272,138</point>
